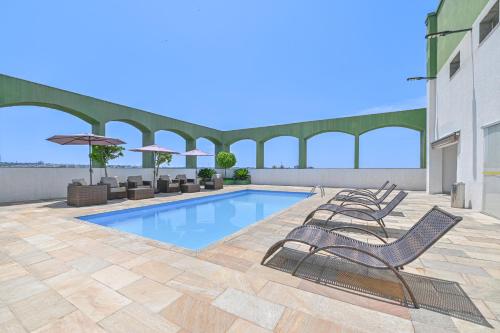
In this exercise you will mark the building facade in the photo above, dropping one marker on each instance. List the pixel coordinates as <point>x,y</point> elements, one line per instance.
<point>463,91</point>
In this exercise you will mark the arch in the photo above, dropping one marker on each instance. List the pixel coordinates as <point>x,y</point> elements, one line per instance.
<point>83,116</point>
<point>131,122</point>
<point>211,139</point>
<point>331,149</point>
<point>245,151</point>
<point>390,147</point>
<point>133,139</point>
<point>16,121</point>
<point>374,128</point>
<point>174,141</point>
<point>323,131</point>
<point>276,155</point>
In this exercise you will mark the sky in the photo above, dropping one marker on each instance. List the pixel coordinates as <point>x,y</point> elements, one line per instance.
<point>223,64</point>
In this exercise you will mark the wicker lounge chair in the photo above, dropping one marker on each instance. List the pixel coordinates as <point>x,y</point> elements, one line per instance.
<point>393,256</point>
<point>137,182</point>
<point>360,211</point>
<point>347,192</point>
<point>216,183</point>
<point>167,185</point>
<point>116,190</point>
<point>365,199</point>
<point>183,179</point>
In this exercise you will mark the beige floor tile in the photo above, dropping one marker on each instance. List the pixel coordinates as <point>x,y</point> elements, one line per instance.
<point>198,316</point>
<point>255,309</point>
<point>354,317</point>
<point>98,301</point>
<point>243,326</point>
<point>89,264</point>
<point>69,282</point>
<point>196,286</point>
<point>14,290</point>
<point>40,309</point>
<point>48,268</point>
<point>72,323</point>
<point>151,294</point>
<point>135,318</point>
<point>11,270</point>
<point>297,321</point>
<point>5,314</point>
<point>66,254</point>
<point>115,276</point>
<point>157,271</point>
<point>12,326</point>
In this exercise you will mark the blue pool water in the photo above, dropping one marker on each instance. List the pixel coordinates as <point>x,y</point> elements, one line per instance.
<point>196,223</point>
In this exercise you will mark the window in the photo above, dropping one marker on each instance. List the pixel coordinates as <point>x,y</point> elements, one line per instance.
<point>489,22</point>
<point>455,65</point>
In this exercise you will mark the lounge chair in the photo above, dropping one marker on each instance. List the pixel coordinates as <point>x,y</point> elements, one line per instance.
<point>167,185</point>
<point>116,190</point>
<point>365,199</point>
<point>137,182</point>
<point>360,211</point>
<point>216,183</point>
<point>347,192</point>
<point>394,256</point>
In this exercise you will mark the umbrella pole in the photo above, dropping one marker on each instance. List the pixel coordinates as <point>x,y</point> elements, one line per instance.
<point>90,162</point>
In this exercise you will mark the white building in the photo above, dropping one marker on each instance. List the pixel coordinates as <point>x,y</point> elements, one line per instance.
<point>463,118</point>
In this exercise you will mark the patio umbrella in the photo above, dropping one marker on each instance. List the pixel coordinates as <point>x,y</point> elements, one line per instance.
<point>155,149</point>
<point>85,139</point>
<point>196,152</point>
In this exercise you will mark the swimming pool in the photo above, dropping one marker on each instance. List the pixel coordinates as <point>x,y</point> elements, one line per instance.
<point>199,222</point>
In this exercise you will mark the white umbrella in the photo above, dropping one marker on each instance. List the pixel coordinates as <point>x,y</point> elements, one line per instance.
<point>196,152</point>
<point>155,149</point>
<point>85,139</point>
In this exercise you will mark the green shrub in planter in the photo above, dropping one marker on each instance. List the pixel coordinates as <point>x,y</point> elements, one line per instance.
<point>241,176</point>
<point>206,173</point>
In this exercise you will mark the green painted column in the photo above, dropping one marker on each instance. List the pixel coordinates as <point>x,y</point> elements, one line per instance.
<point>148,138</point>
<point>423,150</point>
<point>98,129</point>
<point>190,160</point>
<point>356,152</point>
<point>218,148</point>
<point>302,153</point>
<point>259,161</point>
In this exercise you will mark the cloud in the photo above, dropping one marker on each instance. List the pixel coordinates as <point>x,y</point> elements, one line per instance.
<point>413,103</point>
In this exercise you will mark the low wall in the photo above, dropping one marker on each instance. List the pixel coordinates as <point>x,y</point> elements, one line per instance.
<point>407,179</point>
<point>26,184</point>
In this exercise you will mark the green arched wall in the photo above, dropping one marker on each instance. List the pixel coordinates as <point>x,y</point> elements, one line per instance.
<point>14,91</point>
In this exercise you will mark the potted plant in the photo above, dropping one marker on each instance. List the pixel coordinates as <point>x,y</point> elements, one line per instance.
<point>226,160</point>
<point>241,176</point>
<point>206,174</point>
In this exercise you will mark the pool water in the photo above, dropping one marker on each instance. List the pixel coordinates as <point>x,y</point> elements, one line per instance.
<point>199,222</point>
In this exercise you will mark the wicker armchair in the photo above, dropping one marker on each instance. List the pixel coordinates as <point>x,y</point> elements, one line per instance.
<point>183,179</point>
<point>167,185</point>
<point>116,190</point>
<point>137,182</point>
<point>216,183</point>
<point>80,195</point>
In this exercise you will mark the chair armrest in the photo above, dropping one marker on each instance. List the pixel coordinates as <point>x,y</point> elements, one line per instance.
<point>122,184</point>
<point>146,182</point>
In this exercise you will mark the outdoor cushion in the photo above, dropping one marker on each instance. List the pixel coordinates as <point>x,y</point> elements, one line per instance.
<point>79,181</point>
<point>165,177</point>
<point>135,179</point>
<point>118,189</point>
<point>111,181</point>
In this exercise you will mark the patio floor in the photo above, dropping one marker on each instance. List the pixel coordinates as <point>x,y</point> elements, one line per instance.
<point>60,274</point>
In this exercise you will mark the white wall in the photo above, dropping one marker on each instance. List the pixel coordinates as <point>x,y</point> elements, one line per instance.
<point>466,102</point>
<point>409,179</point>
<point>26,184</point>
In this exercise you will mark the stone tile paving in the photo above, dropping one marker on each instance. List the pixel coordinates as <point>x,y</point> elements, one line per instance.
<point>60,274</point>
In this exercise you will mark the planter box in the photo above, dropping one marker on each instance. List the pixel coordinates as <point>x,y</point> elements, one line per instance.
<point>228,181</point>
<point>242,182</point>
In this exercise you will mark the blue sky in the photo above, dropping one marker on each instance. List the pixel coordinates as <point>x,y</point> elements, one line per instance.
<point>223,64</point>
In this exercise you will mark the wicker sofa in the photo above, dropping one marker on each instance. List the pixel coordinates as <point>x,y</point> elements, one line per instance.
<point>116,190</point>
<point>167,185</point>
<point>80,194</point>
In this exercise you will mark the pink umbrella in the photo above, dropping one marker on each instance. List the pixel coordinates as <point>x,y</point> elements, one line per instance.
<point>85,139</point>
<point>196,152</point>
<point>155,149</point>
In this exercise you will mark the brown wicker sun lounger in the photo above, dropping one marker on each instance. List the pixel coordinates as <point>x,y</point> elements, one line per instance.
<point>360,211</point>
<point>365,198</point>
<point>347,192</point>
<point>393,256</point>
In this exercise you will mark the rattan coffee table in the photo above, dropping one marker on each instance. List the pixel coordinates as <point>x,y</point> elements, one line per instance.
<point>190,188</point>
<point>140,193</point>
